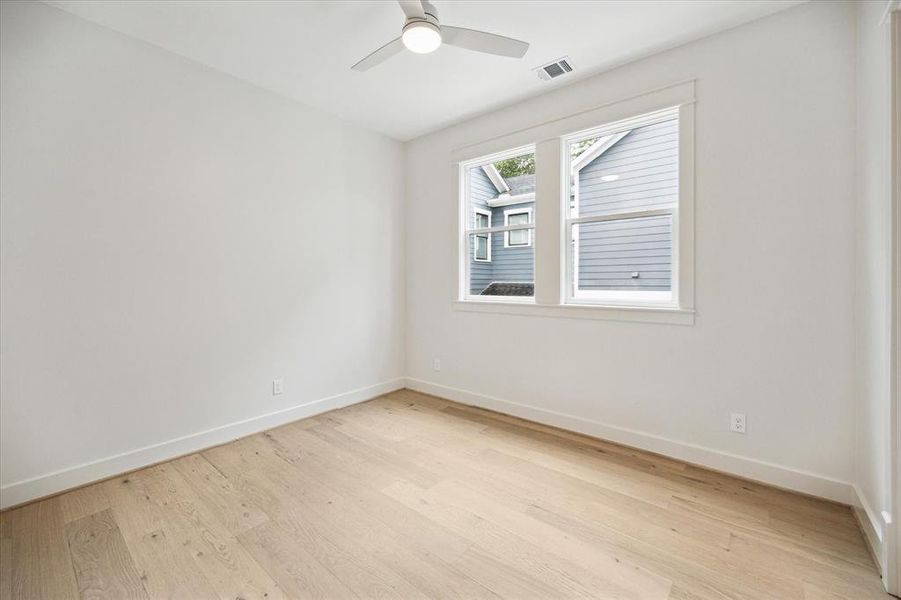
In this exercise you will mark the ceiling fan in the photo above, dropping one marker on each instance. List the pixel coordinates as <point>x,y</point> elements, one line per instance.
<point>422,34</point>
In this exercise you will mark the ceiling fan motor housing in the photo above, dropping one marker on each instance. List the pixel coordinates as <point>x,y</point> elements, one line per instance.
<point>430,11</point>
<point>431,16</point>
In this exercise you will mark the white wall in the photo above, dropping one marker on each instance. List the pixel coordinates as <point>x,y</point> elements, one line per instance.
<point>173,239</point>
<point>774,332</point>
<point>873,274</point>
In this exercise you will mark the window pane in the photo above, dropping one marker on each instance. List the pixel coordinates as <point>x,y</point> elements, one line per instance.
<point>635,169</point>
<point>481,247</point>
<point>518,219</point>
<point>499,183</point>
<point>624,259</point>
<point>518,238</point>
<point>500,193</point>
<point>511,271</point>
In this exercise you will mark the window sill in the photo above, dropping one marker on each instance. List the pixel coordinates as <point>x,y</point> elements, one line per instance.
<point>640,314</point>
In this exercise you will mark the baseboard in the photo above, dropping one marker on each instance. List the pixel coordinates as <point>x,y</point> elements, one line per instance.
<point>785,477</point>
<point>20,492</point>
<point>742,466</point>
<point>872,527</point>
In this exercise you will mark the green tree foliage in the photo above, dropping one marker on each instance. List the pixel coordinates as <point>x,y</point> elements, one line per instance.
<point>581,146</point>
<point>518,165</point>
<point>525,164</point>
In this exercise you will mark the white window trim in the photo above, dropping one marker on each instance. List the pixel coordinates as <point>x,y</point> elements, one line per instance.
<point>507,215</point>
<point>507,199</point>
<point>475,242</point>
<point>613,133</point>
<point>466,227</point>
<point>526,307</point>
<point>551,200</point>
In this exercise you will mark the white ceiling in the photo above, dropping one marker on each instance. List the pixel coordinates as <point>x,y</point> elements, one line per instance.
<point>304,50</point>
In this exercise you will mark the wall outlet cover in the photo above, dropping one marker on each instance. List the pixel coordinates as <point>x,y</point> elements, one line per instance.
<point>737,423</point>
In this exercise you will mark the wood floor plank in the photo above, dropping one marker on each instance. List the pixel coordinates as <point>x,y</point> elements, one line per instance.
<point>238,514</point>
<point>818,546</point>
<point>358,484</point>
<point>137,515</point>
<point>103,565</point>
<point>82,502</point>
<point>613,567</point>
<point>6,567</point>
<point>770,558</point>
<point>334,531</point>
<point>356,569</point>
<point>412,496</point>
<point>166,574</point>
<point>291,565</point>
<point>516,482</point>
<point>326,546</point>
<point>509,547</point>
<point>41,565</point>
<point>502,579</point>
<point>5,528</point>
<point>207,544</point>
<point>349,506</point>
<point>690,576</point>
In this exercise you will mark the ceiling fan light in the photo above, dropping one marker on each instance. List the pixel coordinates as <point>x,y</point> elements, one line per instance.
<point>421,37</point>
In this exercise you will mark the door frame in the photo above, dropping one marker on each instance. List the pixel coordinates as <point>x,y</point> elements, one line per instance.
<point>892,575</point>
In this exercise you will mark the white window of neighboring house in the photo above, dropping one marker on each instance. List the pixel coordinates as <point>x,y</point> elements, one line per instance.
<point>481,251</point>
<point>519,237</point>
<point>608,232</point>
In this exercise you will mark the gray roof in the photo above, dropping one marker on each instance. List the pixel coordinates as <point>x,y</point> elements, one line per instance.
<point>521,184</point>
<point>509,289</point>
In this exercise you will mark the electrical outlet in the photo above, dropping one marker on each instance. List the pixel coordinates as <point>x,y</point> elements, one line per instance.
<point>737,423</point>
<point>277,387</point>
<point>437,364</point>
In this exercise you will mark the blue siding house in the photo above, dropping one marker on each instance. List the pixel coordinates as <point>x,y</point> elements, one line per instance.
<point>629,171</point>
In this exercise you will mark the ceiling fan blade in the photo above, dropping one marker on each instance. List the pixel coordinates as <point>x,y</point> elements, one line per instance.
<point>379,56</point>
<point>482,41</point>
<point>412,8</point>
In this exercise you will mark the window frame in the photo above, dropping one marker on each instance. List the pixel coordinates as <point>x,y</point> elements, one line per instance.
<point>631,298</point>
<point>545,137</point>
<point>467,228</point>
<point>518,211</point>
<point>475,238</point>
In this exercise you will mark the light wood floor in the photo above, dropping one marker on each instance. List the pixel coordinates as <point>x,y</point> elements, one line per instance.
<point>409,496</point>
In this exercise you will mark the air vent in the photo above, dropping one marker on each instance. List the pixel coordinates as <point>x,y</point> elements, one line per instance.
<point>554,69</point>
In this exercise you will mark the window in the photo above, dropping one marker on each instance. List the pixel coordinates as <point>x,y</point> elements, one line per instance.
<point>482,249</point>
<point>518,237</point>
<point>623,200</point>
<point>612,219</point>
<point>500,262</point>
